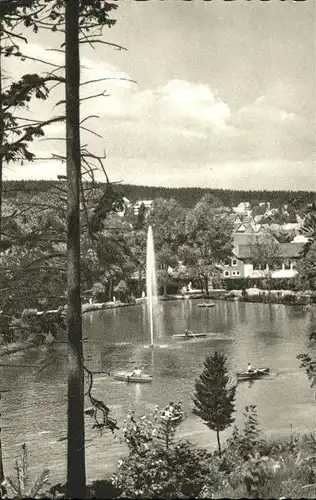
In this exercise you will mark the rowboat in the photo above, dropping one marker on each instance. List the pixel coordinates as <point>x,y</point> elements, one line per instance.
<point>250,375</point>
<point>190,335</point>
<point>176,415</point>
<point>206,304</point>
<point>128,377</point>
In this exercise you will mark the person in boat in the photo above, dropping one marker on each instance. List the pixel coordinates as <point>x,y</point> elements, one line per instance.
<point>169,411</point>
<point>249,368</point>
<point>178,409</point>
<point>137,372</point>
<point>187,333</point>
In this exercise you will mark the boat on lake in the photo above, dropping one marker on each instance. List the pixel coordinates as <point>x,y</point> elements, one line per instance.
<point>206,304</point>
<point>129,377</point>
<point>253,374</point>
<point>175,416</point>
<point>189,335</point>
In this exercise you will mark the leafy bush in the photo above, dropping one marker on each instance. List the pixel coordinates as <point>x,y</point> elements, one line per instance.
<point>243,442</point>
<point>261,283</point>
<point>157,465</point>
<point>174,472</point>
<point>251,478</point>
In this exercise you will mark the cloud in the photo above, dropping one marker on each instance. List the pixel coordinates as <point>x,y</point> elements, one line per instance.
<point>179,104</point>
<point>192,103</point>
<point>44,53</point>
<point>270,129</point>
<point>163,133</point>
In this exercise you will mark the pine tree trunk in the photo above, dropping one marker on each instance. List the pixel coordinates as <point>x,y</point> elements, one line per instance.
<point>140,281</point>
<point>218,442</point>
<point>110,289</point>
<point>1,133</point>
<point>1,461</point>
<point>76,475</point>
<point>206,284</point>
<point>1,187</point>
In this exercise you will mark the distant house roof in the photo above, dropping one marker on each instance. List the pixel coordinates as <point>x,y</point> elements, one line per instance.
<point>290,226</point>
<point>274,226</point>
<point>243,207</point>
<point>247,238</point>
<point>300,238</point>
<point>287,250</point>
<point>292,249</point>
<point>246,229</point>
<point>239,228</point>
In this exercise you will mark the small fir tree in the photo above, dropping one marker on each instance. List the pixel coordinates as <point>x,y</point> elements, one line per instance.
<point>214,395</point>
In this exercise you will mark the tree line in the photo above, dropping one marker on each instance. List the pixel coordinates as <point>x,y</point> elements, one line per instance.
<point>186,196</point>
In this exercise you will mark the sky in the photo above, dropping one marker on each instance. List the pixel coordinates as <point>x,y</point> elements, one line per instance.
<point>214,94</point>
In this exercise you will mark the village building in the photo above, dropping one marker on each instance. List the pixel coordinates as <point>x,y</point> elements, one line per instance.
<point>242,263</point>
<point>146,203</point>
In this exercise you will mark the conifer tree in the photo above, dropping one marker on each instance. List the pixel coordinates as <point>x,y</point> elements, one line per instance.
<point>214,395</point>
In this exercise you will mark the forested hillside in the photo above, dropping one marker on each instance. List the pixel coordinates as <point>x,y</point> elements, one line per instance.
<point>187,197</point>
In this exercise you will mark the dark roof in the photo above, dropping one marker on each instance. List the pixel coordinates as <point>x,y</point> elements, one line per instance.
<point>291,249</point>
<point>287,250</point>
<point>248,238</point>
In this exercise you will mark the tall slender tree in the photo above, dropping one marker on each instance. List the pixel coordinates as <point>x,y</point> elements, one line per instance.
<point>76,474</point>
<point>214,395</point>
<point>75,18</point>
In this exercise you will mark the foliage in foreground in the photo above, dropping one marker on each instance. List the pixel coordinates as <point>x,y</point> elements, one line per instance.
<point>21,486</point>
<point>179,471</point>
<point>249,466</point>
<point>157,465</point>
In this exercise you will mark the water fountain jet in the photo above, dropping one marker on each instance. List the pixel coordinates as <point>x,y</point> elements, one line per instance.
<point>151,285</point>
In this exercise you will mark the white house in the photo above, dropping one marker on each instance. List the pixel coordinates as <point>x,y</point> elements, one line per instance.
<point>242,262</point>
<point>243,208</point>
<point>147,204</point>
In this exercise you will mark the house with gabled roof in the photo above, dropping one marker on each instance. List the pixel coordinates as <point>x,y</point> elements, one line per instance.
<point>243,208</point>
<point>240,228</point>
<point>242,263</point>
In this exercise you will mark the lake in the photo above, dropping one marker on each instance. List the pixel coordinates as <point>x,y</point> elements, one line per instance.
<point>34,411</point>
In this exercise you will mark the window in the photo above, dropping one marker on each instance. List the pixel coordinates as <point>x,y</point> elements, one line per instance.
<point>235,273</point>
<point>226,273</point>
<point>234,262</point>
